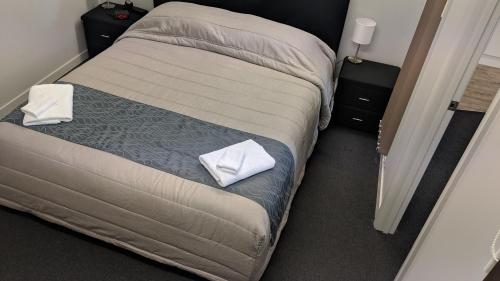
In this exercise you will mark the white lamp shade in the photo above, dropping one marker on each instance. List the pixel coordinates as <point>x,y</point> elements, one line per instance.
<point>363,32</point>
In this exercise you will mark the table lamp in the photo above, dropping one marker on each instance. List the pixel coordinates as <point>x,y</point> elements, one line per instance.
<point>108,5</point>
<point>363,33</point>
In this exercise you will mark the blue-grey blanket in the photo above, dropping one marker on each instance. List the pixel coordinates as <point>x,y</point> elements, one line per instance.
<point>169,142</point>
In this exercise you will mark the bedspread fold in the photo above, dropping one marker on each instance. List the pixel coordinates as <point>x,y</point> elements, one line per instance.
<point>246,37</point>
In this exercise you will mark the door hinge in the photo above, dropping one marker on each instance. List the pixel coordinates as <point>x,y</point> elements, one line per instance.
<point>453,105</point>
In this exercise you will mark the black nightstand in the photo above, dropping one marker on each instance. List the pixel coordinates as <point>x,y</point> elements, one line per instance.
<point>101,29</point>
<point>362,95</point>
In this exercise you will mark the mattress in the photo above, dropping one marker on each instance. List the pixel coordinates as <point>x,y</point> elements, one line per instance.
<point>275,93</point>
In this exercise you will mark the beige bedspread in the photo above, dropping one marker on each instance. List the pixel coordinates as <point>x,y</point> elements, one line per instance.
<point>216,234</point>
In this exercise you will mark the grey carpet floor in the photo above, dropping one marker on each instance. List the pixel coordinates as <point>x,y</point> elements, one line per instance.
<point>329,235</point>
<point>462,127</point>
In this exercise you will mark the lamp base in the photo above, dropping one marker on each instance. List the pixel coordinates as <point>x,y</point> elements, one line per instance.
<point>354,60</point>
<point>108,5</point>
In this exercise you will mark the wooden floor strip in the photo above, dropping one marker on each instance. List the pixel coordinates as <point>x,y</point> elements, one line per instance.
<point>481,90</point>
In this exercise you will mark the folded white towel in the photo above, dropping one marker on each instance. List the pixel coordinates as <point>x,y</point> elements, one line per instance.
<point>256,160</point>
<point>40,97</point>
<point>40,106</point>
<point>231,161</point>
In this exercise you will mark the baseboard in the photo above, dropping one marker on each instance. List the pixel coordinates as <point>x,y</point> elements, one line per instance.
<point>51,78</point>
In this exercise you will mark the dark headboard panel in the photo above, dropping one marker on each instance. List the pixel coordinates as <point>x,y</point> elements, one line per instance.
<point>323,18</point>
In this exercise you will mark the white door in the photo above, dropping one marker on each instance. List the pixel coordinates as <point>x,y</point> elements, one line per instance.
<point>456,243</point>
<point>461,38</point>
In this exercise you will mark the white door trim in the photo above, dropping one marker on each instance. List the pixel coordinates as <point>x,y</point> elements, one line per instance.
<point>451,53</point>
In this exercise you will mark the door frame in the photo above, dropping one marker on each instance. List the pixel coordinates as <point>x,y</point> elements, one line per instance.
<point>469,72</point>
<point>461,35</point>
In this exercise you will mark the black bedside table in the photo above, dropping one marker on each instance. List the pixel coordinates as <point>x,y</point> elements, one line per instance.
<point>362,95</point>
<point>101,29</point>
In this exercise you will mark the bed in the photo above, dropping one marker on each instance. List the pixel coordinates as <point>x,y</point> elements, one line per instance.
<point>185,80</point>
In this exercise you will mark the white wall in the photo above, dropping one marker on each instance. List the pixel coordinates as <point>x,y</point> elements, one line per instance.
<point>491,55</point>
<point>38,38</point>
<point>457,244</point>
<point>396,24</point>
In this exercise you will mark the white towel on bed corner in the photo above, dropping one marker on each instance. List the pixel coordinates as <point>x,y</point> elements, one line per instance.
<point>256,160</point>
<point>39,106</point>
<point>231,160</point>
<point>49,104</point>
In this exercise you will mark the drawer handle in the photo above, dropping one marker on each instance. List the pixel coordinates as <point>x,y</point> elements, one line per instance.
<point>357,119</point>
<point>364,99</point>
<point>105,36</point>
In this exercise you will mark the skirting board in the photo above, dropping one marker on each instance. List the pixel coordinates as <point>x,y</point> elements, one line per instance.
<point>51,78</point>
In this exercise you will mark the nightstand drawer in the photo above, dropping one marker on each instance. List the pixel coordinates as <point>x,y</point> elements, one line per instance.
<point>102,29</point>
<point>356,118</point>
<point>102,34</point>
<point>363,97</point>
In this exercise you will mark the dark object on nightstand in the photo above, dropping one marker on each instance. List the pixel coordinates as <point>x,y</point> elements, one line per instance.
<point>362,95</point>
<point>121,15</point>
<point>128,5</point>
<point>102,29</point>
